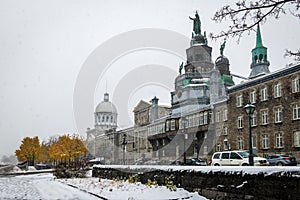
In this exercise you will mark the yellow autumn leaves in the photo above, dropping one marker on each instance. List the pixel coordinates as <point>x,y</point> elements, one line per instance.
<point>66,147</point>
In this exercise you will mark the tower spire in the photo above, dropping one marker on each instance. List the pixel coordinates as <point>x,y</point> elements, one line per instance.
<point>258,37</point>
<point>260,63</point>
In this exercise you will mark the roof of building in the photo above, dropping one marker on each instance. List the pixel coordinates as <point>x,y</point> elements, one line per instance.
<point>265,78</point>
<point>106,106</point>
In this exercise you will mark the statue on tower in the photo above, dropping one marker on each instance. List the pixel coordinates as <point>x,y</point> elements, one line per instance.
<point>197,24</point>
<point>180,68</point>
<point>222,48</point>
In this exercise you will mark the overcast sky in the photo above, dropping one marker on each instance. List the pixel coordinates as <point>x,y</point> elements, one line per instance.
<point>45,45</point>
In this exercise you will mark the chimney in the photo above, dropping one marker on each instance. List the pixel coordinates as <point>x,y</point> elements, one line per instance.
<point>154,109</point>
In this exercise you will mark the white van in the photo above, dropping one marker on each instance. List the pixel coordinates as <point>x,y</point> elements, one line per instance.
<point>236,158</point>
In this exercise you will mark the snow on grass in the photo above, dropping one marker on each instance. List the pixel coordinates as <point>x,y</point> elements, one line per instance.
<point>266,170</point>
<point>118,190</point>
<point>38,186</point>
<point>47,187</point>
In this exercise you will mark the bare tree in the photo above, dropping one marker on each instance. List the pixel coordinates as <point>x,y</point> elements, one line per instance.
<point>245,15</point>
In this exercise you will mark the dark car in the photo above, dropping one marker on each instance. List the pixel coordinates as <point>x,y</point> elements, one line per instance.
<point>195,161</point>
<point>282,160</point>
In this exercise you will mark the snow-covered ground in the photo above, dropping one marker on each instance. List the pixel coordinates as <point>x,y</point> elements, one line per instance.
<point>45,186</point>
<point>38,186</point>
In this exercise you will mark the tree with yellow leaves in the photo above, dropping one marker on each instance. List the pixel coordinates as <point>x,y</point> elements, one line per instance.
<point>29,150</point>
<point>67,147</point>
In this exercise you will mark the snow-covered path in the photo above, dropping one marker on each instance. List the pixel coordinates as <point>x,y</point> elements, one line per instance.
<point>46,187</point>
<point>41,186</point>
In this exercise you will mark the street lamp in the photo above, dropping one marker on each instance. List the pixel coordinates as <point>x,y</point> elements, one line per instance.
<point>185,137</point>
<point>249,109</point>
<point>196,147</point>
<point>124,145</point>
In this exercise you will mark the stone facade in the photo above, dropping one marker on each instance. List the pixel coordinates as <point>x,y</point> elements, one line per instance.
<point>276,121</point>
<point>207,112</point>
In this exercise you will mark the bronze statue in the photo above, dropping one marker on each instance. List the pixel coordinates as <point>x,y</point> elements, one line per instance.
<point>180,68</point>
<point>197,24</point>
<point>222,48</point>
<point>205,38</point>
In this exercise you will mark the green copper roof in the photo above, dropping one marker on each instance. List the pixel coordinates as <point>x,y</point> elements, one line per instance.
<point>258,37</point>
<point>227,79</point>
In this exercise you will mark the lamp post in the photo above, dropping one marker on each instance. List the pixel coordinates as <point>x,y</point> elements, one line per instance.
<point>196,147</point>
<point>124,145</point>
<point>249,109</point>
<point>185,137</point>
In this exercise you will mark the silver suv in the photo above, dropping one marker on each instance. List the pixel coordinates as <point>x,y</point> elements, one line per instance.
<point>236,158</point>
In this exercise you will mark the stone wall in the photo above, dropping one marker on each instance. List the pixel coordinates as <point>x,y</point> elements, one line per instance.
<point>217,185</point>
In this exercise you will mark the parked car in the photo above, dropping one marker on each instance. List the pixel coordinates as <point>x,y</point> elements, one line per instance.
<point>195,162</point>
<point>43,166</point>
<point>282,160</point>
<point>236,158</point>
<point>189,161</point>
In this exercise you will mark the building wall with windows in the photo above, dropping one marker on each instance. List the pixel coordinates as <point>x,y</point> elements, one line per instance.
<point>275,124</point>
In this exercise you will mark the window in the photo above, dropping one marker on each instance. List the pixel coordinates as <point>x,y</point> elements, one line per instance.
<point>296,111</point>
<point>218,117</point>
<point>172,124</point>
<point>225,155</point>
<point>211,117</point>
<point>226,145</point>
<point>265,141</point>
<point>240,144</point>
<point>234,155</point>
<point>297,139</point>
<point>197,120</point>
<point>239,100</point>
<point>225,131</point>
<point>278,115</point>
<point>254,119</point>
<point>201,118</point>
<point>295,85</point>
<point>217,155</point>
<point>277,90</point>
<point>180,123</point>
<point>240,121</point>
<point>279,140</point>
<point>253,96</point>
<point>205,118</point>
<point>167,125</point>
<point>225,113</point>
<point>264,117</point>
<point>218,148</point>
<point>264,94</point>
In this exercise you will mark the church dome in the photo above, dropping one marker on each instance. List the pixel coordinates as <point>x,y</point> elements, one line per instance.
<point>106,106</point>
<point>221,60</point>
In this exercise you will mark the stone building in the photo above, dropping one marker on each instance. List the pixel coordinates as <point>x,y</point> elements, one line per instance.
<point>275,123</point>
<point>137,146</point>
<point>207,111</point>
<point>101,140</point>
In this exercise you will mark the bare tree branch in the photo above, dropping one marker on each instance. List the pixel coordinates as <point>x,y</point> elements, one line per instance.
<point>245,15</point>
